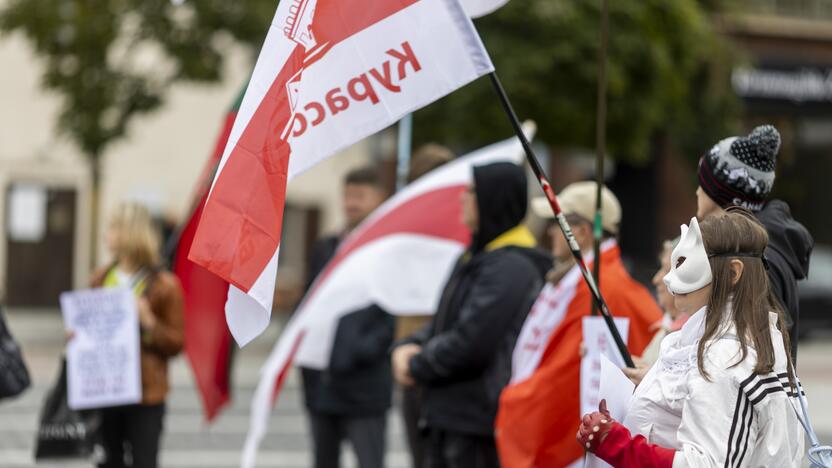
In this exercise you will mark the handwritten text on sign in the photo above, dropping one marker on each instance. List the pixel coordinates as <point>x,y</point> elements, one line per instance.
<point>103,367</point>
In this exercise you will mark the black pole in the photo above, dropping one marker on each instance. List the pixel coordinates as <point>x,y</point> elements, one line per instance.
<point>564,225</point>
<point>600,145</point>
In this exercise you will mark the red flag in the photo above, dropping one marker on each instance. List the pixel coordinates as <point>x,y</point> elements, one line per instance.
<point>208,343</point>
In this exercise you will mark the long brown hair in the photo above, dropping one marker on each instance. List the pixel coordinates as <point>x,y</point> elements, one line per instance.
<point>751,299</point>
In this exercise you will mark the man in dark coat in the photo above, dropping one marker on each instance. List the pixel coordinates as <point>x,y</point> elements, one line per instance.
<point>350,399</point>
<point>462,358</point>
<point>739,171</point>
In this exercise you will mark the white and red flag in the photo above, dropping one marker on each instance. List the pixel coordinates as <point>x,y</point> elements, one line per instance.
<point>399,258</point>
<point>330,73</point>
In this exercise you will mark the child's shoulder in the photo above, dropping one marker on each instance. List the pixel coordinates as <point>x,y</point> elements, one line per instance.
<point>724,355</point>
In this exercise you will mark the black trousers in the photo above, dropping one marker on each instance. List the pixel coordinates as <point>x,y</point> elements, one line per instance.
<point>411,412</point>
<point>130,435</point>
<point>365,434</point>
<point>455,450</point>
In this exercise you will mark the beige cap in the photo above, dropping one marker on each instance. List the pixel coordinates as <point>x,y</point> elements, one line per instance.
<point>579,199</point>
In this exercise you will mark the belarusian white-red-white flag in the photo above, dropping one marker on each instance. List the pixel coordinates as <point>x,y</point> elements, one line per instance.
<point>399,258</point>
<point>330,73</point>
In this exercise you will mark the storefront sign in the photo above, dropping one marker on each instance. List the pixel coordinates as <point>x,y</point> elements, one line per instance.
<point>798,85</point>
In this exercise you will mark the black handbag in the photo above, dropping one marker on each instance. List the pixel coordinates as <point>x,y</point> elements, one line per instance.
<point>14,378</point>
<point>64,432</point>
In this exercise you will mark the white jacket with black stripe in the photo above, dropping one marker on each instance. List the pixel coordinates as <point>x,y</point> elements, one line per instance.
<point>736,418</point>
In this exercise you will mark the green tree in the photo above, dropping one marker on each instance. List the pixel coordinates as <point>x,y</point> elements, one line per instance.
<point>667,72</point>
<point>111,61</point>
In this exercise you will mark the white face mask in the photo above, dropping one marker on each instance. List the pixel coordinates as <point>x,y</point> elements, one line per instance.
<point>690,269</point>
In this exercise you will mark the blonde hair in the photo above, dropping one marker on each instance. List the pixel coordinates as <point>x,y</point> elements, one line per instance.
<point>138,238</point>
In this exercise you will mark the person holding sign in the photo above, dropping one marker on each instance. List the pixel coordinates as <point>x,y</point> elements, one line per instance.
<point>131,433</point>
<point>723,392</point>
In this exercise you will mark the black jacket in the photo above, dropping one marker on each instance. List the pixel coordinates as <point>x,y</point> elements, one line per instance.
<point>789,248</point>
<point>466,349</point>
<point>358,381</point>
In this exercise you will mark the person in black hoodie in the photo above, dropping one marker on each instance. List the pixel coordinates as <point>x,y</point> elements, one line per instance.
<point>350,399</point>
<point>462,358</point>
<point>739,171</point>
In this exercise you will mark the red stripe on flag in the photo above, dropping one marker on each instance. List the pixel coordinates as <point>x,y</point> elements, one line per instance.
<point>241,225</point>
<point>207,340</point>
<point>437,213</point>
<point>284,372</point>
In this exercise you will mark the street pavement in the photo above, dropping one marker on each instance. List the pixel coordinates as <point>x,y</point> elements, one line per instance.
<point>189,443</point>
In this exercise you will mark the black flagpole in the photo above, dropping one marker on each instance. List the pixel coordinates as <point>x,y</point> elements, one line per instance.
<point>600,144</point>
<point>564,225</point>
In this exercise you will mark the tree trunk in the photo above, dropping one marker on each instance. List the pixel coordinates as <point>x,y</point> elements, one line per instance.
<point>95,199</point>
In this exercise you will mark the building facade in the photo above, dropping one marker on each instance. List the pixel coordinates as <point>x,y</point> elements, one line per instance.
<point>46,244</point>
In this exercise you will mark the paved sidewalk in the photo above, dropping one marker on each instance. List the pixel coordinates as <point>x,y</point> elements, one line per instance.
<point>188,443</point>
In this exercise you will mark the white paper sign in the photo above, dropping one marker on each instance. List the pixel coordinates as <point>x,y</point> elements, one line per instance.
<point>598,340</point>
<point>103,358</point>
<point>27,213</point>
<point>617,389</point>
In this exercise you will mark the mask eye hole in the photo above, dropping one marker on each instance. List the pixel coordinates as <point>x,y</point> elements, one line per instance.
<point>680,261</point>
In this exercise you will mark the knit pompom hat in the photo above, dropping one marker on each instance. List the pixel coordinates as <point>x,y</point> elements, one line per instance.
<point>739,171</point>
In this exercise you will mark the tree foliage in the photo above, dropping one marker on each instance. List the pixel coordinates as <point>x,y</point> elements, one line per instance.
<point>667,72</point>
<point>112,60</point>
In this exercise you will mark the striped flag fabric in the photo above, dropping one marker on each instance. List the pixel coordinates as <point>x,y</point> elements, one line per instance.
<point>208,343</point>
<point>399,258</point>
<point>330,73</point>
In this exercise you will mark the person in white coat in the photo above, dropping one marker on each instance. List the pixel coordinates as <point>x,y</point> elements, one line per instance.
<point>723,391</point>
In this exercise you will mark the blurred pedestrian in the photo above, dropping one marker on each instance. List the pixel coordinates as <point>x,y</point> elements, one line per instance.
<point>462,358</point>
<point>541,407</point>
<point>739,171</point>
<point>425,159</point>
<point>724,392</point>
<point>350,399</point>
<point>131,434</point>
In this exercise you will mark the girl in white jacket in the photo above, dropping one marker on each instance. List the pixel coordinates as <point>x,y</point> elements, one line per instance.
<point>722,393</point>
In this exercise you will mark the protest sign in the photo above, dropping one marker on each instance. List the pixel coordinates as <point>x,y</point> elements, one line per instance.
<point>617,389</point>
<point>598,340</point>
<point>103,367</point>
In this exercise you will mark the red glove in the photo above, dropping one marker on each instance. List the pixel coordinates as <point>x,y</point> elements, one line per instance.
<point>595,427</point>
<point>612,442</point>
